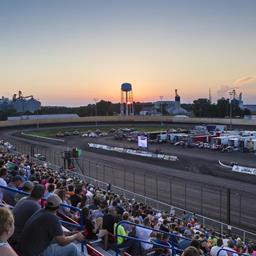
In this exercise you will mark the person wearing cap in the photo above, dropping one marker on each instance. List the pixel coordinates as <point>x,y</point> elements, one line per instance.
<point>9,196</point>
<point>24,209</point>
<point>43,234</point>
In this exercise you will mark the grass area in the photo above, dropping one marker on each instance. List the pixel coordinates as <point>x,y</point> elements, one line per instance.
<point>51,132</point>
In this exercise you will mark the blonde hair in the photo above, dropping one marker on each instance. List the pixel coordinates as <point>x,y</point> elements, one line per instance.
<point>6,220</point>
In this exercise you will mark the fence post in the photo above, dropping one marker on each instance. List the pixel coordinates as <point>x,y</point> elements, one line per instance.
<point>170,181</point>
<point>202,200</point>
<point>104,172</point>
<point>144,178</point>
<point>228,206</point>
<point>133,181</point>
<point>185,192</point>
<point>156,187</point>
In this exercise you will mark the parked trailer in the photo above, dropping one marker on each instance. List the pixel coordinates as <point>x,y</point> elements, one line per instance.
<point>216,128</point>
<point>201,138</point>
<point>234,143</point>
<point>153,136</point>
<point>222,140</point>
<point>162,137</point>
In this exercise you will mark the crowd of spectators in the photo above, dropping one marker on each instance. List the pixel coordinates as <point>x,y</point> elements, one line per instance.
<point>30,229</point>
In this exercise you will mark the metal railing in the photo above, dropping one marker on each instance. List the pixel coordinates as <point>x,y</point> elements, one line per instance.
<point>231,252</point>
<point>171,246</point>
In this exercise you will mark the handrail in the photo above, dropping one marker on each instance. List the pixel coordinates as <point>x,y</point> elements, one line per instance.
<point>15,190</point>
<point>27,194</point>
<point>231,251</point>
<point>172,247</point>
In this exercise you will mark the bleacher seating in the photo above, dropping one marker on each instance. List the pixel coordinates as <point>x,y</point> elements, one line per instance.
<point>84,195</point>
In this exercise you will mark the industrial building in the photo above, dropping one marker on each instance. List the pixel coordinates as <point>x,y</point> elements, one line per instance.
<point>173,108</point>
<point>21,104</point>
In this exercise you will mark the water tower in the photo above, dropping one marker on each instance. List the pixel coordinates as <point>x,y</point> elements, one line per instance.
<point>126,107</point>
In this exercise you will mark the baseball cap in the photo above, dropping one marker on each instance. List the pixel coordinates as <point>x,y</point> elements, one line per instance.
<point>53,201</point>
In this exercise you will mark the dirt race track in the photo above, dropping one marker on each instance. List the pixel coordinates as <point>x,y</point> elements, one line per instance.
<point>195,182</point>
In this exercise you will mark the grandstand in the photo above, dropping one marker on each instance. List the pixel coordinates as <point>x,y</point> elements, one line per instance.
<point>102,221</point>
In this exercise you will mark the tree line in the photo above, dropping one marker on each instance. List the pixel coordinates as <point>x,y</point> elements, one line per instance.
<point>223,108</point>
<point>199,108</point>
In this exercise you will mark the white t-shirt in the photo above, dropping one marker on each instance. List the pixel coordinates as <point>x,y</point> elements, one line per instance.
<point>215,249</point>
<point>230,250</point>
<point>144,234</point>
<point>4,184</point>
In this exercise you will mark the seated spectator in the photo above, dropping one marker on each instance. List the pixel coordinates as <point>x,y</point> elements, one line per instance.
<point>27,188</point>
<point>218,249</point>
<point>24,209</point>
<point>119,208</point>
<point>63,196</point>
<point>188,232</point>
<point>196,243</point>
<point>108,223</point>
<point>184,242</point>
<point>42,228</point>
<point>3,175</point>
<point>6,231</point>
<point>50,190</point>
<point>50,181</point>
<point>70,191</point>
<point>164,226</point>
<point>145,234</point>
<point>77,197</point>
<point>130,245</point>
<point>162,239</point>
<point>190,251</point>
<point>128,227</point>
<point>109,220</point>
<point>204,246</point>
<point>9,196</point>
<point>230,248</point>
<point>89,229</point>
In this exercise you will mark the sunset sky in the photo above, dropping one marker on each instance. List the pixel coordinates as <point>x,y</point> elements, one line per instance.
<point>68,52</point>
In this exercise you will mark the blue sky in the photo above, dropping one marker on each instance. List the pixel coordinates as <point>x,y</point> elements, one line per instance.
<point>69,52</point>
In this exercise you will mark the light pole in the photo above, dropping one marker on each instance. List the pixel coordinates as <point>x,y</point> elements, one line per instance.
<point>96,123</point>
<point>231,93</point>
<point>161,109</point>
